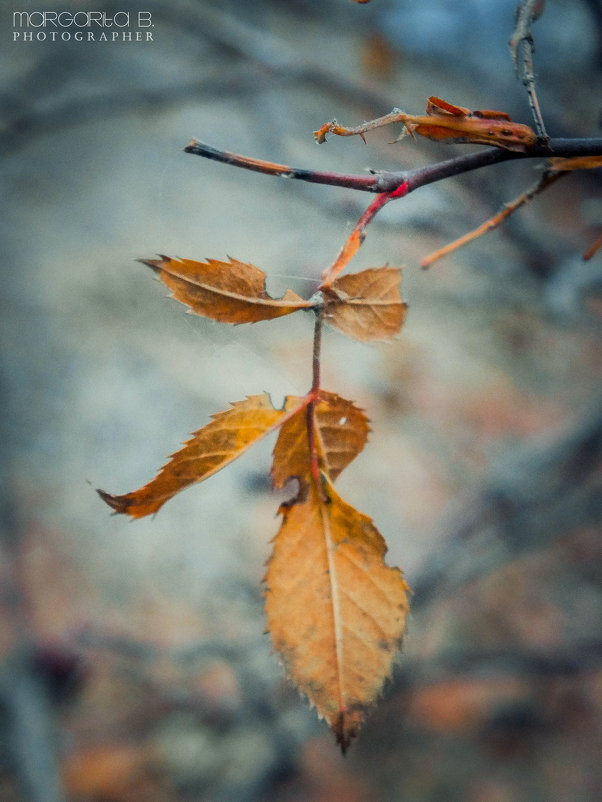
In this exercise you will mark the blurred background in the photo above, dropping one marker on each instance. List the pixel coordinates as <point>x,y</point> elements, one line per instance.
<point>133,660</point>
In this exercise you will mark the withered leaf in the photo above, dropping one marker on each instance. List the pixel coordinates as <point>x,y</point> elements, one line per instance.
<point>336,612</point>
<point>341,430</point>
<point>444,121</point>
<point>220,442</point>
<point>231,292</point>
<point>366,305</point>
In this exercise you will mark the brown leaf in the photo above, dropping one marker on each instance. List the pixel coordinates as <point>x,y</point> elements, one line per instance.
<point>335,611</point>
<point>231,292</point>
<point>341,431</point>
<point>366,305</point>
<point>445,120</point>
<point>229,435</point>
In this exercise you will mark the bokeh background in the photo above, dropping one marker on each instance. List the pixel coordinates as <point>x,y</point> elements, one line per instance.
<point>133,661</point>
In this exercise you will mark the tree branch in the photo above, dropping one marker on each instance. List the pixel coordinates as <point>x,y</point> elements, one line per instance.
<point>522,47</point>
<point>384,181</point>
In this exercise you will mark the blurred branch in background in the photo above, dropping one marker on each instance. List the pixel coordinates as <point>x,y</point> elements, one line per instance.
<point>540,495</point>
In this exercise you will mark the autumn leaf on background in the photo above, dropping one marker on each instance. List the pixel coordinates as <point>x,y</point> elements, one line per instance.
<point>446,121</point>
<point>335,611</point>
<point>366,305</point>
<point>229,435</point>
<point>231,292</point>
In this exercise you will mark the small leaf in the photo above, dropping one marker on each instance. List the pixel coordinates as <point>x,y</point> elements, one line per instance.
<point>366,305</point>
<point>341,431</point>
<point>231,292</point>
<point>229,435</point>
<point>336,612</point>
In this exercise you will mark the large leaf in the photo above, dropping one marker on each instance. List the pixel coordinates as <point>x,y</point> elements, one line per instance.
<point>231,292</point>
<point>366,305</point>
<point>335,611</point>
<point>229,435</point>
<point>341,430</point>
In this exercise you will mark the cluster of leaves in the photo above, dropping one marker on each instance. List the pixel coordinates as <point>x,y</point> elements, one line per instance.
<point>335,610</point>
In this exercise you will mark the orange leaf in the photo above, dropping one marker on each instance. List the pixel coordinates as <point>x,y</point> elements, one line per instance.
<point>341,431</point>
<point>335,611</point>
<point>229,435</point>
<point>231,292</point>
<point>446,121</point>
<point>366,305</point>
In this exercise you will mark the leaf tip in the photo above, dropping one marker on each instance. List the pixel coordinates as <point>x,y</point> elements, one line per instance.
<point>118,503</point>
<point>155,264</point>
<point>345,730</point>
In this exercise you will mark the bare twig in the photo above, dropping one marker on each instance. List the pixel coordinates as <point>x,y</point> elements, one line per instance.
<point>548,177</point>
<point>522,47</point>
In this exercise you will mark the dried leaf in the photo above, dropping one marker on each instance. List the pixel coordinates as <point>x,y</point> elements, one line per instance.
<point>444,121</point>
<point>231,292</point>
<point>335,611</point>
<point>366,305</point>
<point>229,435</point>
<point>341,430</point>
<point>448,121</point>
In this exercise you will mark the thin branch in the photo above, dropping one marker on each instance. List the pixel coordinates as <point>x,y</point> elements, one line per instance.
<point>357,236</point>
<point>384,181</point>
<point>367,183</point>
<point>549,177</point>
<point>522,47</point>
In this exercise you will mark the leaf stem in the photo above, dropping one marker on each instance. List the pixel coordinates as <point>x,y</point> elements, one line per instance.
<point>317,347</point>
<point>311,407</point>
